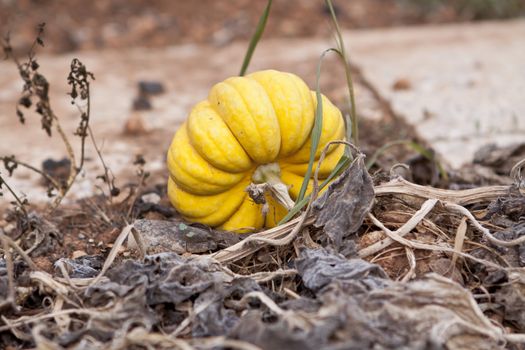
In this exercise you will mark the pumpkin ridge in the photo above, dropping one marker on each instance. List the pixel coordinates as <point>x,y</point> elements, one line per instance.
<point>274,110</point>
<point>243,99</point>
<point>291,100</point>
<point>217,110</point>
<point>303,126</point>
<point>222,220</point>
<point>211,141</point>
<point>212,217</point>
<point>298,91</point>
<point>220,151</point>
<point>204,179</point>
<point>216,188</point>
<point>247,208</point>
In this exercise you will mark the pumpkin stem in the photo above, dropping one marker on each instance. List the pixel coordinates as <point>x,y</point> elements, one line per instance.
<point>268,178</point>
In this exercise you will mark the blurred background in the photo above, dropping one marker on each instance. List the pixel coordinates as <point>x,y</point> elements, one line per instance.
<point>79,25</point>
<point>448,74</point>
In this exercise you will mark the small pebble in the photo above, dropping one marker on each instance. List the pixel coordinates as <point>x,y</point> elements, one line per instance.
<point>151,198</point>
<point>77,254</point>
<point>91,240</point>
<point>81,236</point>
<point>401,84</point>
<point>9,228</point>
<point>100,244</point>
<point>142,103</point>
<point>151,87</point>
<point>134,126</point>
<point>126,254</point>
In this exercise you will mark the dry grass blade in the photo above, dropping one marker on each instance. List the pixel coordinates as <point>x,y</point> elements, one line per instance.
<point>139,241</point>
<point>113,253</point>
<point>264,276</point>
<point>270,304</point>
<point>459,239</point>
<point>20,251</point>
<point>276,234</point>
<point>11,294</point>
<point>16,332</point>
<point>21,203</point>
<point>46,280</point>
<point>295,319</point>
<point>63,321</point>
<point>515,338</point>
<point>187,321</point>
<point>67,279</point>
<point>42,342</point>
<point>223,342</point>
<point>486,232</point>
<point>462,197</point>
<point>140,336</point>
<point>77,283</point>
<point>284,234</point>
<point>26,320</point>
<point>279,241</point>
<point>403,230</point>
<point>290,293</point>
<point>411,257</point>
<point>387,254</point>
<point>516,173</point>
<point>261,276</point>
<point>424,246</point>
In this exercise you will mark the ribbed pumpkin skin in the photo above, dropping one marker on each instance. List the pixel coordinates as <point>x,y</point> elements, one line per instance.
<point>265,117</point>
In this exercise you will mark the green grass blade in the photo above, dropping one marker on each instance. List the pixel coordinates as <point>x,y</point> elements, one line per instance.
<point>316,131</point>
<point>352,131</point>
<point>316,135</point>
<point>382,150</point>
<point>338,169</point>
<point>297,208</point>
<point>352,124</point>
<point>255,38</point>
<point>415,146</point>
<point>430,156</point>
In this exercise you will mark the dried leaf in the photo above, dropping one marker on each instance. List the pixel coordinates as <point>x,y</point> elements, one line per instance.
<point>431,313</point>
<point>342,208</point>
<point>319,267</point>
<point>512,297</point>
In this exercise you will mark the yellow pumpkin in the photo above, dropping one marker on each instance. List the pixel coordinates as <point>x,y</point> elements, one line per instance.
<point>229,139</point>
